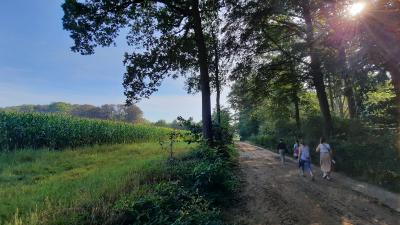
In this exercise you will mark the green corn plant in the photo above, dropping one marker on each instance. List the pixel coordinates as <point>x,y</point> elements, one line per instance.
<point>55,131</point>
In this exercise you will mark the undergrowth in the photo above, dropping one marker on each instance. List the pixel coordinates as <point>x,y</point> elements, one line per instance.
<point>188,189</point>
<point>360,150</point>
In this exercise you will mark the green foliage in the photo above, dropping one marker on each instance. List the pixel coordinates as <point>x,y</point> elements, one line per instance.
<point>188,190</point>
<point>164,29</point>
<point>200,181</point>
<point>76,186</point>
<point>168,141</point>
<point>380,107</point>
<point>161,123</point>
<point>373,159</point>
<point>102,185</point>
<point>264,140</point>
<point>175,124</point>
<point>35,130</point>
<point>211,172</point>
<point>223,131</point>
<point>364,152</point>
<point>166,203</point>
<point>195,130</point>
<point>247,125</point>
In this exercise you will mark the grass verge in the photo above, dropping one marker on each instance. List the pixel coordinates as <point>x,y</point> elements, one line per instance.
<point>119,184</point>
<point>42,182</point>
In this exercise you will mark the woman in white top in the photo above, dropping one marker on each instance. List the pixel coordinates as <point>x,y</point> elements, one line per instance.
<point>325,158</point>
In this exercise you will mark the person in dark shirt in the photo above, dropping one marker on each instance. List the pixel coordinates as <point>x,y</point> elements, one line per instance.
<point>282,150</point>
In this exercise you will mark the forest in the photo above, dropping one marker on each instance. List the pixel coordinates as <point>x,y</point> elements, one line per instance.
<point>322,70</point>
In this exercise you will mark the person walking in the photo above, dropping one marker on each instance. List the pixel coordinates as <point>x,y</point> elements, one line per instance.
<point>325,158</point>
<point>305,160</point>
<point>282,150</point>
<point>296,147</point>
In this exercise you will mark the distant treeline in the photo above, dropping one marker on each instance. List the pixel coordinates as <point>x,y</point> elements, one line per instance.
<point>175,124</point>
<point>118,112</point>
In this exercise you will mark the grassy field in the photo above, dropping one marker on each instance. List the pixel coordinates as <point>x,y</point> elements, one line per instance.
<point>40,184</point>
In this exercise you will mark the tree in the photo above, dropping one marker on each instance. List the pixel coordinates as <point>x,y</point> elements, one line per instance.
<point>107,112</point>
<point>83,111</point>
<point>170,35</point>
<point>379,32</point>
<point>161,123</point>
<point>216,49</point>
<point>60,107</point>
<point>133,114</point>
<point>273,28</point>
<point>339,37</point>
<point>315,66</point>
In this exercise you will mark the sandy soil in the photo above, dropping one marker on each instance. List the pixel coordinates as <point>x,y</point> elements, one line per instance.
<point>276,194</point>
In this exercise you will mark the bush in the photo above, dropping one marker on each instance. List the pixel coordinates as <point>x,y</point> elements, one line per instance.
<point>208,172</point>
<point>361,151</point>
<point>268,141</point>
<point>198,184</point>
<point>189,190</point>
<point>166,203</point>
<point>369,157</point>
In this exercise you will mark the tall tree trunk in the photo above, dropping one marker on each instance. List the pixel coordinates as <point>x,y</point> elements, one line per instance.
<point>341,106</point>
<point>330,93</point>
<point>297,111</point>
<point>393,67</point>
<point>204,76</point>
<point>218,135</point>
<point>295,97</point>
<point>217,80</point>
<point>348,84</point>
<point>316,72</point>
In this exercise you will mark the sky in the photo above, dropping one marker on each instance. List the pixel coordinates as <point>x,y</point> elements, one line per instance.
<point>38,67</point>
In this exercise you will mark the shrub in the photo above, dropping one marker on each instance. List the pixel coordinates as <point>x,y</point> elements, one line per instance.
<point>166,203</point>
<point>208,172</point>
<point>360,150</point>
<point>198,183</point>
<point>369,157</point>
<point>265,140</point>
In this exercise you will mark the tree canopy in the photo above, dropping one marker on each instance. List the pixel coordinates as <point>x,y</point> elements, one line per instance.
<point>169,39</point>
<point>286,60</point>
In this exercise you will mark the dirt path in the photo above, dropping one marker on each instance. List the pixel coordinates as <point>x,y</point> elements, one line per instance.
<point>276,194</point>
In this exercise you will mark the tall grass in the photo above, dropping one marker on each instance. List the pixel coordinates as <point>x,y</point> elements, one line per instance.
<point>34,130</point>
<point>52,185</point>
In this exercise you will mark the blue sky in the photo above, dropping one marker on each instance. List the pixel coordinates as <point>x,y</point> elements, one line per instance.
<point>37,66</point>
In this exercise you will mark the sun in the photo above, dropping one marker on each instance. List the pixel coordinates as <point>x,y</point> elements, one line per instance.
<point>356,8</point>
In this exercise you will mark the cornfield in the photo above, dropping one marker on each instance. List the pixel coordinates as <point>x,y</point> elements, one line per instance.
<point>37,130</point>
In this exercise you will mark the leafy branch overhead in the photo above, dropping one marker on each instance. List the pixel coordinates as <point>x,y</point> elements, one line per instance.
<point>161,32</point>
<point>169,40</point>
